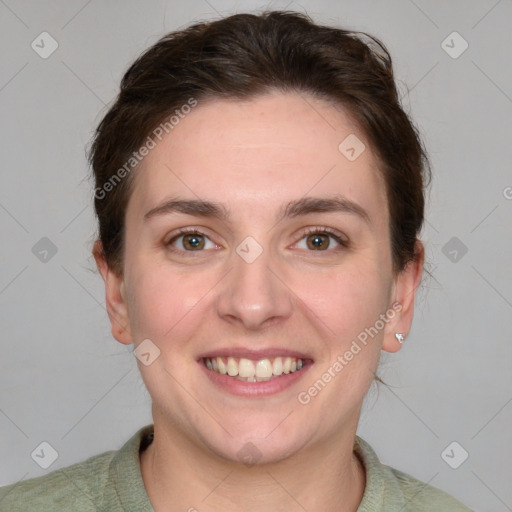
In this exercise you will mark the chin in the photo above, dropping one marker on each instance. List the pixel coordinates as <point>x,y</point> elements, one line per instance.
<point>256,452</point>
<point>267,443</point>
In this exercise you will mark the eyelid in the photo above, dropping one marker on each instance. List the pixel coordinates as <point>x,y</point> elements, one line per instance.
<point>187,230</point>
<point>324,229</point>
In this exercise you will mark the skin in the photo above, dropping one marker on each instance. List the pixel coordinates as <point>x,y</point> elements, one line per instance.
<point>253,157</point>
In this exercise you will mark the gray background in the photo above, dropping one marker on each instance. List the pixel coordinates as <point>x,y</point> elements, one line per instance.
<point>66,381</point>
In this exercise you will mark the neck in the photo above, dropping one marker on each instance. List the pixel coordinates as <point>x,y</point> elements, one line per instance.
<point>181,475</point>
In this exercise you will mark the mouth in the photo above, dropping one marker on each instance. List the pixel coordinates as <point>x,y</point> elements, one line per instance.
<point>248,373</point>
<point>255,370</point>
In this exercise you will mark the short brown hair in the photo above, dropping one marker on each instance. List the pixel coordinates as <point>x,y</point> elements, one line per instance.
<point>245,55</point>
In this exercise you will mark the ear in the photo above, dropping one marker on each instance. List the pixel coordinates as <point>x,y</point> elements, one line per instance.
<point>114,297</point>
<point>404,292</point>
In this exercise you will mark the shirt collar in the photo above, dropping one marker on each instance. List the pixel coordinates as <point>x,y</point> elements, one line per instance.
<point>382,490</point>
<point>126,475</point>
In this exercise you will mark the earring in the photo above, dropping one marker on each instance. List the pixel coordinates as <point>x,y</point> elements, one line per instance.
<point>400,337</point>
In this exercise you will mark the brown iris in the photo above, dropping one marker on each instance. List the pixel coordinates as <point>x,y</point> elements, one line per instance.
<point>193,241</point>
<point>318,241</point>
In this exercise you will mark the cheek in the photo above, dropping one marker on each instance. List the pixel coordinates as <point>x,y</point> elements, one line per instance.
<point>164,303</point>
<point>346,300</point>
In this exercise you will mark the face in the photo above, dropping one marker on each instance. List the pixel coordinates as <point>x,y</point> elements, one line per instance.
<point>291,258</point>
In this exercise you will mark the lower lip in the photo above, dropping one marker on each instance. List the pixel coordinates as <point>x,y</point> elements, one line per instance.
<point>255,389</point>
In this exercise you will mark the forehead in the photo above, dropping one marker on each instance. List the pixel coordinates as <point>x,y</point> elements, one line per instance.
<point>266,150</point>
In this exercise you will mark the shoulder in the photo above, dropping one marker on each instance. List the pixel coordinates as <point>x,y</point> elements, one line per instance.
<point>76,487</point>
<point>111,482</point>
<point>388,489</point>
<point>423,497</point>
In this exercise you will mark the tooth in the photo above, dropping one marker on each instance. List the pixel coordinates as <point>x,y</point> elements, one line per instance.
<point>264,368</point>
<point>254,371</point>
<point>232,367</point>
<point>221,366</point>
<point>277,367</point>
<point>246,368</point>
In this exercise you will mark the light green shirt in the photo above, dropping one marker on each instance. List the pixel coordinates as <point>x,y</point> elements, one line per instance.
<point>112,482</point>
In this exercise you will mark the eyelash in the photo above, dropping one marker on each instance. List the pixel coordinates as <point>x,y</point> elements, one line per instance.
<point>309,231</point>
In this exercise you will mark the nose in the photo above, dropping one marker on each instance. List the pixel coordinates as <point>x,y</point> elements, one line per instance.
<point>254,295</point>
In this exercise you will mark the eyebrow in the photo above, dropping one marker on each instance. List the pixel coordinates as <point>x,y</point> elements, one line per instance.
<point>304,206</point>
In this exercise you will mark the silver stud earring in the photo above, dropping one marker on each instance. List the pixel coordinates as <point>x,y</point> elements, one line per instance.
<point>400,337</point>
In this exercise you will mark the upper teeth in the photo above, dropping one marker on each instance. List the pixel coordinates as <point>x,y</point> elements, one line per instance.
<point>247,368</point>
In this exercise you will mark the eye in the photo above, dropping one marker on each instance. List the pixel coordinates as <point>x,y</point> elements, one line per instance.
<point>316,239</point>
<point>319,239</point>
<point>190,239</point>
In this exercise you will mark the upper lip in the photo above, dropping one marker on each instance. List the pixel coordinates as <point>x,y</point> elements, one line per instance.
<point>256,355</point>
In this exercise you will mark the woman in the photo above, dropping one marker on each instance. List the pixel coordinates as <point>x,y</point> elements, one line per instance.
<point>259,192</point>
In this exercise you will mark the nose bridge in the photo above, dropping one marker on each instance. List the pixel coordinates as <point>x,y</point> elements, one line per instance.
<point>252,294</point>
